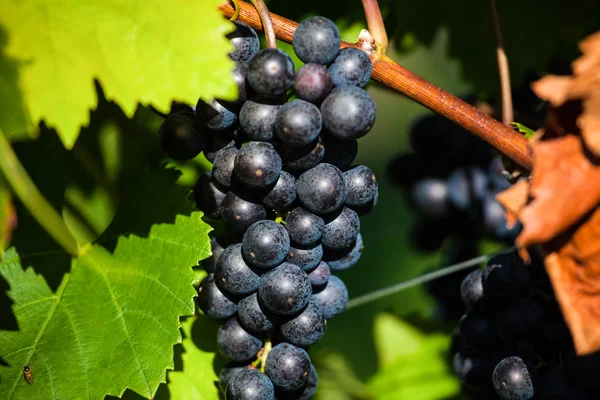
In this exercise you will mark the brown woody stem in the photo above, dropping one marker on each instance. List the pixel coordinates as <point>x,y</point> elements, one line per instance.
<point>375,25</point>
<point>389,73</point>
<point>267,23</point>
<point>507,106</point>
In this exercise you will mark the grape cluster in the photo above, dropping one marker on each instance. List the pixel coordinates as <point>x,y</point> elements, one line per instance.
<point>283,185</point>
<point>513,343</point>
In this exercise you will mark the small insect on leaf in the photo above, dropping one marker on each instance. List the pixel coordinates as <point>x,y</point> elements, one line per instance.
<point>27,374</point>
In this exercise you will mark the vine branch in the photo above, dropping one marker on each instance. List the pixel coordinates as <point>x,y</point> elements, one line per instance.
<point>389,73</point>
<point>33,200</point>
<point>504,71</point>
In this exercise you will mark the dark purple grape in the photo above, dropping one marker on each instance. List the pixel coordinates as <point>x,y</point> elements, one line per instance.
<point>215,142</point>
<point>285,290</point>
<point>239,77</point>
<point>351,67</point>
<point>207,196</point>
<point>341,230</point>
<point>283,194</point>
<point>405,170</point>
<point>250,384</point>
<point>210,263</point>
<point>239,213</point>
<point>265,244</point>
<point>317,40</point>
<point>213,302</point>
<point>505,276</point>
<point>257,119</point>
<point>340,153</point>
<point>222,169</point>
<point>313,83</point>
<point>215,116</point>
<point>361,186</point>
<point>478,332</point>
<point>257,165</point>
<point>253,316</point>
<point>523,320</point>
<point>319,276</point>
<point>306,258</point>
<point>496,175</point>
<point>512,379</point>
<point>236,343</point>
<point>305,329</point>
<point>245,40</point>
<point>304,157</point>
<point>180,136</point>
<point>322,189</point>
<point>304,227</point>
<point>332,298</point>
<point>470,368</point>
<point>430,196</point>
<point>494,220</point>
<point>233,275</point>
<point>304,393</point>
<point>471,289</point>
<point>288,367</point>
<point>348,113</point>
<point>229,371</point>
<point>339,260</point>
<point>466,186</point>
<point>298,123</point>
<point>270,72</point>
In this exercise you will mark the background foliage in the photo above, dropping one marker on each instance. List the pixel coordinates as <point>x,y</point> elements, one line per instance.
<point>68,64</point>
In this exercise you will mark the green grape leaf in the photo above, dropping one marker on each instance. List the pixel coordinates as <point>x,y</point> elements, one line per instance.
<point>197,379</point>
<point>114,319</point>
<point>527,132</point>
<point>140,51</point>
<point>413,365</point>
<point>337,380</point>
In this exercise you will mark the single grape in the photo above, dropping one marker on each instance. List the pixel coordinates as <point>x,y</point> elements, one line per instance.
<point>236,343</point>
<point>478,332</point>
<point>304,227</point>
<point>288,367</point>
<point>215,142</point>
<point>322,189</point>
<point>270,72</point>
<point>250,384</point>
<point>505,276</point>
<point>340,260</point>
<point>222,169</point>
<point>265,244</point>
<point>257,119</point>
<point>213,302</point>
<point>317,40</point>
<point>351,67</point>
<point>304,157</point>
<point>340,153</point>
<point>180,136</point>
<point>470,368</point>
<point>313,83</point>
<point>283,194</point>
<point>239,213</point>
<point>253,316</point>
<point>239,77</point>
<point>341,229</point>
<point>229,371</point>
<point>319,276</point>
<point>471,289</point>
<point>348,113</point>
<point>523,320</point>
<point>304,393</point>
<point>512,380</point>
<point>233,275</point>
<point>361,186</point>
<point>210,263</point>
<point>332,298</point>
<point>257,165</point>
<point>207,196</point>
<point>305,329</point>
<point>215,116</point>
<point>298,123</point>
<point>430,196</point>
<point>306,258</point>
<point>285,290</point>
<point>496,175</point>
<point>466,186</point>
<point>245,40</point>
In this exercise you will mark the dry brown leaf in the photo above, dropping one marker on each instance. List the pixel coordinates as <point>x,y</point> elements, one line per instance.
<point>513,200</point>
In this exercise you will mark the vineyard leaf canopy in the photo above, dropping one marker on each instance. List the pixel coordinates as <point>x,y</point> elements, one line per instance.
<point>148,52</point>
<point>114,319</point>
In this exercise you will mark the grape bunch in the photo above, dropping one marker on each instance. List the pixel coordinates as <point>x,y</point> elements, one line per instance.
<point>513,342</point>
<point>283,185</point>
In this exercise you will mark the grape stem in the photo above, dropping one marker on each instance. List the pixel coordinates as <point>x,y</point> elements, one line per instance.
<point>376,26</point>
<point>265,353</point>
<point>266,21</point>
<point>30,196</point>
<point>503,69</point>
<point>389,73</point>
